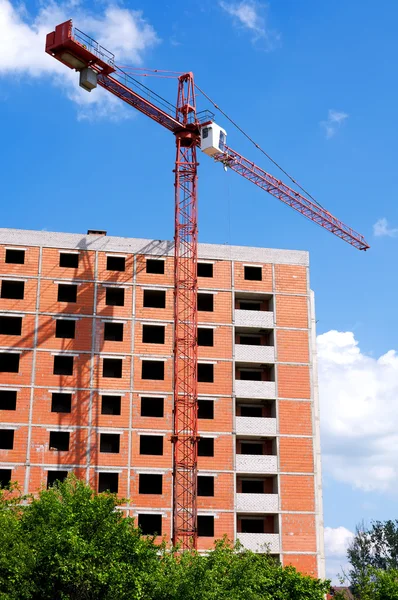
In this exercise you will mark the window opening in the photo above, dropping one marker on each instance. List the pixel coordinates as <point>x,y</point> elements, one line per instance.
<point>10,325</point>
<point>8,399</point>
<point>63,365</point>
<point>205,409</point>
<point>113,332</point>
<point>152,369</point>
<point>67,293</point>
<point>150,484</point>
<point>12,290</point>
<point>206,302</point>
<point>15,257</point>
<point>65,328</point>
<point>155,266</point>
<point>205,269</point>
<point>59,440</point>
<point>110,443</point>
<point>206,446</point>
<point>152,407</point>
<point>253,273</point>
<point>115,263</point>
<point>153,334</point>
<point>9,362</point>
<point>68,260</point>
<point>112,367</point>
<point>151,445</point>
<point>111,405</point>
<point>114,296</point>
<point>61,402</point>
<point>154,299</point>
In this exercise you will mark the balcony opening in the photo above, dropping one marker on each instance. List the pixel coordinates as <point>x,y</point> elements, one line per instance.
<point>67,292</point>
<point>6,439</point>
<point>151,445</point>
<point>205,409</point>
<point>63,365</point>
<point>15,257</point>
<point>205,269</point>
<point>205,526</point>
<point>5,477</point>
<point>253,273</point>
<point>9,362</point>
<point>155,266</point>
<point>68,260</point>
<point>61,402</point>
<point>152,407</point>
<point>112,368</point>
<point>150,484</point>
<point>12,290</point>
<point>108,482</point>
<point>249,305</point>
<point>254,301</point>
<point>252,486</point>
<point>206,302</point>
<point>251,448</point>
<point>154,299</point>
<point>256,408</point>
<point>205,485</point>
<point>10,325</point>
<point>56,477</point>
<point>262,447</point>
<point>59,440</point>
<point>261,373</point>
<point>205,373</point>
<point>249,340</point>
<point>205,336</point>
<point>206,446</point>
<point>247,410</point>
<point>110,405</point>
<point>153,334</point>
<point>115,263</point>
<point>265,485</point>
<point>8,399</point>
<point>250,375</point>
<point>110,443</point>
<point>265,524</point>
<point>113,332</point>
<point>150,524</point>
<point>65,328</point>
<point>114,296</point>
<point>152,369</point>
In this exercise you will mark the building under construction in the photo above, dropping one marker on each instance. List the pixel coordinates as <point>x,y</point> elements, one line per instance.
<point>86,383</point>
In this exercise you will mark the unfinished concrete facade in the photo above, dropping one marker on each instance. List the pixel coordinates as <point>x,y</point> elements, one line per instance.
<point>86,332</point>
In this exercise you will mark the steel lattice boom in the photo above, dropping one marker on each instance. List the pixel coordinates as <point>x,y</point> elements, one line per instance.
<point>96,66</point>
<point>280,190</point>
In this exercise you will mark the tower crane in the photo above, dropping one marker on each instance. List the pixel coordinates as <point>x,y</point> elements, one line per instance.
<point>192,130</point>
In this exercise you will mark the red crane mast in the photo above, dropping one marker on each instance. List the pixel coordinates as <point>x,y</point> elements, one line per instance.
<point>192,130</point>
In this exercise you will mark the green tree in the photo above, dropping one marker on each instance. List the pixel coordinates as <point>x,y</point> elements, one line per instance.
<point>374,548</point>
<point>71,543</point>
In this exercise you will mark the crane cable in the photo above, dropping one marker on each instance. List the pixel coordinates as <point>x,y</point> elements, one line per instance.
<point>257,146</point>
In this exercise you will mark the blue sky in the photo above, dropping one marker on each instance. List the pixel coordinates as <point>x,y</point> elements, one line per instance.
<point>313,82</point>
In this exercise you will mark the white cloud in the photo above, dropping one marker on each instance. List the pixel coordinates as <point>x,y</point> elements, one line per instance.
<point>336,543</point>
<point>333,122</point>
<point>359,418</point>
<point>382,229</point>
<point>251,15</point>
<point>22,39</point>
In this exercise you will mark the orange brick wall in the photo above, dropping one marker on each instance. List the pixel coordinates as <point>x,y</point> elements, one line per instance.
<point>287,287</point>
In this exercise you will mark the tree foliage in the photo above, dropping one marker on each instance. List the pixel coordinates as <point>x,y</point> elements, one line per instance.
<point>373,558</point>
<point>70,543</point>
